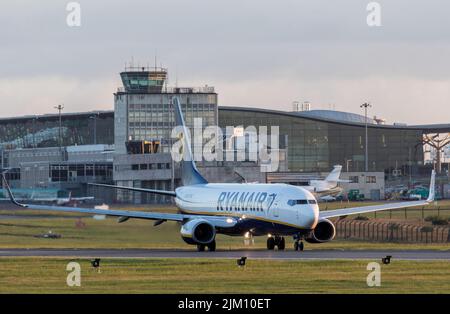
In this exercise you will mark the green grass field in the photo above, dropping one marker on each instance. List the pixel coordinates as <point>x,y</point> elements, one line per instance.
<point>20,233</point>
<point>48,275</point>
<point>136,233</point>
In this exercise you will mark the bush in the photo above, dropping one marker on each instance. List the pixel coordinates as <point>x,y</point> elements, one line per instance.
<point>436,220</point>
<point>359,217</point>
<point>426,229</point>
<point>393,226</point>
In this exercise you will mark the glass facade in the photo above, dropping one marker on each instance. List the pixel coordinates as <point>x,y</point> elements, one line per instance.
<point>81,172</point>
<point>315,145</point>
<point>143,80</point>
<point>43,131</point>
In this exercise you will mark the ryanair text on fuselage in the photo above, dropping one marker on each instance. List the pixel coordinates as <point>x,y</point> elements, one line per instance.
<point>245,201</point>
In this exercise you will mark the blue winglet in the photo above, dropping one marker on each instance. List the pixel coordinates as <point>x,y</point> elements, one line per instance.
<point>8,189</point>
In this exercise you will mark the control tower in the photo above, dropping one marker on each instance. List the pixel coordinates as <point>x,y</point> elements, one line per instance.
<point>144,79</point>
<point>143,108</point>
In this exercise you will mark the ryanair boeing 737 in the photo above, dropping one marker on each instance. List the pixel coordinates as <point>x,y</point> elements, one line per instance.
<point>207,209</point>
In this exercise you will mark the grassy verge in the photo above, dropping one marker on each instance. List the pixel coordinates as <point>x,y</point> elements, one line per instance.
<point>48,275</point>
<point>21,233</point>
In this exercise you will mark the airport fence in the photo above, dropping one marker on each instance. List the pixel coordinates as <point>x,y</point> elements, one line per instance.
<point>391,232</point>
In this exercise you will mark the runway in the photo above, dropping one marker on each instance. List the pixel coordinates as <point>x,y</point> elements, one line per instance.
<point>251,254</point>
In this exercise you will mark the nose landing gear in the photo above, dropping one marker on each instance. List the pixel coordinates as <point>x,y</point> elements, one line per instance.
<point>298,245</point>
<point>277,241</point>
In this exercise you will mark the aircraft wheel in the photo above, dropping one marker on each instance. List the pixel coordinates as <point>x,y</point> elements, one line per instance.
<point>212,246</point>
<point>201,247</point>
<point>270,243</point>
<point>281,244</point>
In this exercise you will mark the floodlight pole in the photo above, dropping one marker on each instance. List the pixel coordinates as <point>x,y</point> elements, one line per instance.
<point>366,156</point>
<point>94,117</point>
<point>60,108</point>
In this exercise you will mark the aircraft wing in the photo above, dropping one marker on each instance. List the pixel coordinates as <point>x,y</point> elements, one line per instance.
<point>218,221</point>
<point>162,192</point>
<point>374,208</point>
<point>369,209</point>
<point>82,198</point>
<point>43,199</point>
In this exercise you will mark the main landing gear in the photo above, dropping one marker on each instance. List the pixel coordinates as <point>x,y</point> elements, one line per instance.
<point>276,241</point>
<point>211,246</point>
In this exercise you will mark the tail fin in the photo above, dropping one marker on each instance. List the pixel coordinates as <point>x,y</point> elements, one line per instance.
<point>334,174</point>
<point>189,172</point>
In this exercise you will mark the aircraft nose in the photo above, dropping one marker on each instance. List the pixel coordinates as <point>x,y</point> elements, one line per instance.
<point>312,216</point>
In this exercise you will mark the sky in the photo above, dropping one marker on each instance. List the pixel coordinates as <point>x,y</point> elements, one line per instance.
<point>256,53</point>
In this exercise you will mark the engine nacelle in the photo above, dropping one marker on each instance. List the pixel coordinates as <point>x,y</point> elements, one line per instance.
<point>323,232</point>
<point>198,231</point>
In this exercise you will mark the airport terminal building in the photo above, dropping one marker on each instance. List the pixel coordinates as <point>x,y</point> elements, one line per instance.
<point>130,146</point>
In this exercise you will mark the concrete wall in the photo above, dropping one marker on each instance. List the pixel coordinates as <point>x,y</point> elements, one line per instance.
<point>90,153</point>
<point>364,187</point>
<point>120,123</point>
<point>233,172</point>
<point>123,167</point>
<point>34,175</point>
<point>18,156</point>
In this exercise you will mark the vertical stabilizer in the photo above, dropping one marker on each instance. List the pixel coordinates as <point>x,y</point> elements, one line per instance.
<point>189,172</point>
<point>334,174</point>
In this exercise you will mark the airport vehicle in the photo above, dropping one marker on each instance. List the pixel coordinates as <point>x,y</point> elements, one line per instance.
<point>207,209</point>
<point>329,186</point>
<point>354,195</point>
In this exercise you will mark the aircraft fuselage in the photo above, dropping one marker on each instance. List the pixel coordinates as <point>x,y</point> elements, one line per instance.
<point>262,208</point>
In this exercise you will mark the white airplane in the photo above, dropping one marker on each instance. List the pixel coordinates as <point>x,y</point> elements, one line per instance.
<point>328,186</point>
<point>328,198</point>
<point>69,200</point>
<point>207,209</point>
<point>72,200</point>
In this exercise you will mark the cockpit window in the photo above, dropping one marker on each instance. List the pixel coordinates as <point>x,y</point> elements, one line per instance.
<point>312,201</point>
<point>297,202</point>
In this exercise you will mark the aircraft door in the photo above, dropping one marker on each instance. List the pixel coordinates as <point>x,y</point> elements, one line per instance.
<point>275,209</point>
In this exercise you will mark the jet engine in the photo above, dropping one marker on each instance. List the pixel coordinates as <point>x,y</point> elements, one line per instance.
<point>323,232</point>
<point>198,231</point>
